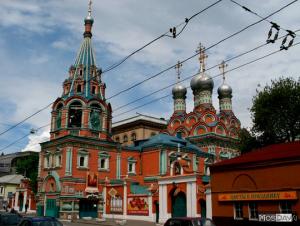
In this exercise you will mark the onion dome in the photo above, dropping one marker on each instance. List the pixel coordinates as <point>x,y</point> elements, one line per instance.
<point>179,91</point>
<point>202,82</point>
<point>225,91</point>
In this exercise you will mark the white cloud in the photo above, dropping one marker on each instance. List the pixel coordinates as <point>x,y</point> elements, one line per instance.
<point>36,139</point>
<point>121,27</point>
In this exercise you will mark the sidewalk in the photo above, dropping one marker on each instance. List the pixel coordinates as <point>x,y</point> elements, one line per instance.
<point>111,222</point>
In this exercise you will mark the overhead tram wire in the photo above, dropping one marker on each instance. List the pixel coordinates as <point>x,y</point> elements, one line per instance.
<point>160,98</point>
<point>187,20</point>
<point>187,59</point>
<point>256,14</point>
<point>28,117</point>
<point>220,74</point>
<point>228,37</point>
<point>189,77</point>
<point>185,23</point>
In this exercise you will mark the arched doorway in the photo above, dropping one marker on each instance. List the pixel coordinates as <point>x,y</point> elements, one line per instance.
<point>179,205</point>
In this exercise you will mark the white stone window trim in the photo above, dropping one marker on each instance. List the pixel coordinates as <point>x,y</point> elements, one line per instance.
<point>255,210</point>
<point>83,153</point>
<point>235,210</point>
<point>132,162</point>
<point>106,157</point>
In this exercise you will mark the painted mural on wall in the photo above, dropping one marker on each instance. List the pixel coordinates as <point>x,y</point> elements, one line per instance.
<point>91,182</point>
<point>138,205</point>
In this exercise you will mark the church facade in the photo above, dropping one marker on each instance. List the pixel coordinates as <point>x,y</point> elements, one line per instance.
<point>83,172</point>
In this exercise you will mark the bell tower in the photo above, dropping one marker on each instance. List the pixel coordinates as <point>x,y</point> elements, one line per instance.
<point>82,109</point>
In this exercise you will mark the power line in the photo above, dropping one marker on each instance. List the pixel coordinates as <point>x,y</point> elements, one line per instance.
<point>240,66</point>
<point>217,43</point>
<point>228,37</point>
<point>160,98</point>
<point>173,30</point>
<point>216,65</point>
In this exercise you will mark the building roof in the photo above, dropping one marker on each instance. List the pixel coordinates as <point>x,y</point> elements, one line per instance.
<point>11,179</point>
<point>171,141</point>
<point>140,118</point>
<point>271,153</point>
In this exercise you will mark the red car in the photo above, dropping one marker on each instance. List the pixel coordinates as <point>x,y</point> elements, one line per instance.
<point>189,221</point>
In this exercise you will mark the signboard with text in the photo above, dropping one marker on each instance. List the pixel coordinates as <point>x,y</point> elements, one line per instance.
<point>254,196</point>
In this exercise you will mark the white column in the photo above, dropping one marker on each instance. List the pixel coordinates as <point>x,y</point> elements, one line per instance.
<point>194,199</point>
<point>150,206</point>
<point>189,199</point>
<point>163,203</point>
<point>29,207</point>
<point>16,200</point>
<point>24,201</point>
<point>208,203</point>
<point>125,200</point>
<point>104,199</point>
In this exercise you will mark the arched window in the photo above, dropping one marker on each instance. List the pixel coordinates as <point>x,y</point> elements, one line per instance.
<point>125,139</point>
<point>133,136</point>
<point>75,115</point>
<point>118,139</point>
<point>79,89</point>
<point>95,117</point>
<point>177,168</point>
<point>58,116</point>
<point>93,89</point>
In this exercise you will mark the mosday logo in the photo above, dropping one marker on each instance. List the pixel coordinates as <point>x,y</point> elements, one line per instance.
<point>278,217</point>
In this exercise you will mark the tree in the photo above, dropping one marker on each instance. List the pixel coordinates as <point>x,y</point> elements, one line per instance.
<point>276,111</point>
<point>248,141</point>
<point>28,166</point>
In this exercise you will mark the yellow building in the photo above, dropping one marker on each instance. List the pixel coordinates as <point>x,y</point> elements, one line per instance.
<point>8,186</point>
<point>136,128</point>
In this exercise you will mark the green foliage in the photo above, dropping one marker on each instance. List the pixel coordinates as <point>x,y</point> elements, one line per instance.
<point>248,141</point>
<point>28,166</point>
<point>276,111</point>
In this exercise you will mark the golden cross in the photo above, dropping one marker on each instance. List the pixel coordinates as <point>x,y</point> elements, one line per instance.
<point>202,56</point>
<point>90,7</point>
<point>177,68</point>
<point>222,67</point>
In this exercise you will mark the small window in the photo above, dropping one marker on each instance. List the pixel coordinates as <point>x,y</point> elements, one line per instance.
<point>79,89</point>
<point>125,138</point>
<point>80,72</point>
<point>131,167</point>
<point>81,161</point>
<point>93,89</point>
<point>238,210</point>
<point>102,164</point>
<point>153,134</point>
<point>133,137</point>
<point>253,213</point>
<point>58,160</point>
<point>118,139</point>
<point>285,207</point>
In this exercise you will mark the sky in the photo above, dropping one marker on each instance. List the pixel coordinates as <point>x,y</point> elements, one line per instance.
<point>39,41</point>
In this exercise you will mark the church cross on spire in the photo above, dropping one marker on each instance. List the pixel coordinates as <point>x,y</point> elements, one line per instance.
<point>177,68</point>
<point>222,67</point>
<point>90,8</point>
<point>202,56</point>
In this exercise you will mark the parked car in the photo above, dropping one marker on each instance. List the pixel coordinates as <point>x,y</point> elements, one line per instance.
<point>9,219</point>
<point>189,221</point>
<point>39,221</point>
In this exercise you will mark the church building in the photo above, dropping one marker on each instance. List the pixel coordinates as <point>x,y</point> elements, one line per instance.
<point>84,172</point>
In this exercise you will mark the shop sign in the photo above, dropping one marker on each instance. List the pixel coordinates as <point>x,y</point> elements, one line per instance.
<point>138,205</point>
<point>254,196</point>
